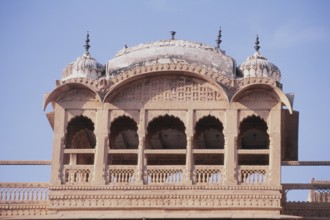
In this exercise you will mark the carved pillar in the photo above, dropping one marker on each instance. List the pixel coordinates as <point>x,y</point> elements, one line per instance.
<point>101,150</point>
<point>58,145</point>
<point>230,133</point>
<point>140,177</point>
<point>189,160</point>
<point>189,156</point>
<point>274,129</point>
<point>141,160</point>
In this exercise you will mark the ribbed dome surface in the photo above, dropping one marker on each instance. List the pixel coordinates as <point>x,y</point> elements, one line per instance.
<point>172,51</point>
<point>85,66</point>
<point>259,66</point>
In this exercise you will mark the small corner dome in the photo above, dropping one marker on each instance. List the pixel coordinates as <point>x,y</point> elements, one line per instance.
<point>85,67</point>
<point>258,66</point>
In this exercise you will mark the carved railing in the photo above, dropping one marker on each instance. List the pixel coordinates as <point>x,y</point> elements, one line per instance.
<point>121,174</point>
<point>208,175</point>
<point>13,193</point>
<point>315,204</point>
<point>168,174</point>
<point>253,175</point>
<point>77,174</point>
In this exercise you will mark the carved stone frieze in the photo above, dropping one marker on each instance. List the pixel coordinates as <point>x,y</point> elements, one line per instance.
<point>9,211</point>
<point>166,200</point>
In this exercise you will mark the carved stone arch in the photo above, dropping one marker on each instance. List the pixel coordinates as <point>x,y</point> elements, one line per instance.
<point>180,114</point>
<point>214,113</point>
<point>166,132</point>
<point>73,113</point>
<point>119,113</point>
<point>254,130</point>
<point>218,87</point>
<point>123,133</point>
<point>68,88</point>
<point>80,135</point>
<point>208,133</point>
<point>257,113</point>
<point>278,94</point>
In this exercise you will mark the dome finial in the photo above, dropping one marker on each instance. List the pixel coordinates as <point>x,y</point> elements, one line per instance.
<point>87,46</point>
<point>218,40</point>
<point>257,47</point>
<point>172,35</point>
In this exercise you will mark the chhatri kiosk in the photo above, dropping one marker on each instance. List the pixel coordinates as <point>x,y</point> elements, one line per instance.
<point>169,129</point>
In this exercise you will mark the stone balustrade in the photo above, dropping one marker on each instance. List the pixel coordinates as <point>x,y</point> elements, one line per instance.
<point>77,174</point>
<point>166,174</point>
<point>251,175</point>
<point>23,192</point>
<point>121,174</point>
<point>208,174</point>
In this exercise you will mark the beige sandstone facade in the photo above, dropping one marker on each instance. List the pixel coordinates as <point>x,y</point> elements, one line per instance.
<point>169,129</point>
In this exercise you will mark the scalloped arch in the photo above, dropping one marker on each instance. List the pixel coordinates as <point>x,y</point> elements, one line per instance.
<point>284,99</point>
<point>60,90</point>
<point>159,117</point>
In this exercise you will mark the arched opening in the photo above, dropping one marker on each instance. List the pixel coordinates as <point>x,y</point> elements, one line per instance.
<point>208,133</point>
<point>253,133</point>
<point>80,135</point>
<point>123,135</point>
<point>166,132</point>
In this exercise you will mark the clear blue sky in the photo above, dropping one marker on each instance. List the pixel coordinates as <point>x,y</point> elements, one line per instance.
<point>39,38</point>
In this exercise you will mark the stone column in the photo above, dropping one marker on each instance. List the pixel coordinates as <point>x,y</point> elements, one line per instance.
<point>140,170</point>
<point>230,133</point>
<point>189,155</point>
<point>101,149</point>
<point>274,129</point>
<point>141,160</point>
<point>58,146</point>
<point>189,160</point>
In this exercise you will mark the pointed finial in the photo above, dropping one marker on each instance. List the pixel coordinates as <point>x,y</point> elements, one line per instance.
<point>172,35</point>
<point>257,47</point>
<point>218,40</point>
<point>87,46</point>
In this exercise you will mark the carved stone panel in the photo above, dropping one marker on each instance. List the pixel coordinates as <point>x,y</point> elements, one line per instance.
<point>169,88</point>
<point>259,95</point>
<point>77,95</point>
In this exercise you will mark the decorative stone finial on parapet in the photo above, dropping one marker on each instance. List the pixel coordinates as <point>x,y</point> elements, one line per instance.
<point>172,35</point>
<point>218,40</point>
<point>257,47</point>
<point>87,46</point>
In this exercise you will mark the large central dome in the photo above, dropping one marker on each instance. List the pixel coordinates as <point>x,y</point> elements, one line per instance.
<point>172,51</point>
